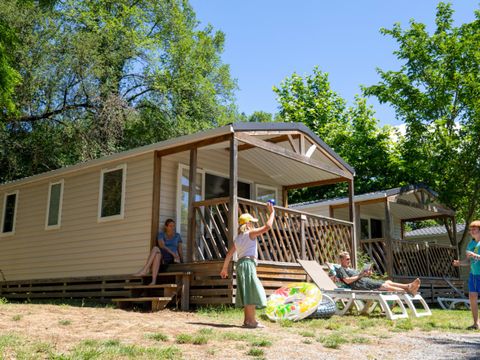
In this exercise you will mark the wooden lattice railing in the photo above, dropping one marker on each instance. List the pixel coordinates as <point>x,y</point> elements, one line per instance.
<point>417,258</point>
<point>295,234</point>
<point>377,252</point>
<point>412,258</point>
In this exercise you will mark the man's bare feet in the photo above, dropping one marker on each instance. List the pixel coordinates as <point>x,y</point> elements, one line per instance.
<point>411,289</point>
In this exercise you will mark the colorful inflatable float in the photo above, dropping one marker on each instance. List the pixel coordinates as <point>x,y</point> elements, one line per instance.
<point>294,302</point>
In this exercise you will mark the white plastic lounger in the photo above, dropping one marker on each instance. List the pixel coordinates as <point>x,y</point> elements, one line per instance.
<point>451,303</point>
<point>371,298</point>
<point>409,299</point>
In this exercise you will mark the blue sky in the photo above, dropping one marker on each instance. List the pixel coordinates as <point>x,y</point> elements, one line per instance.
<point>267,41</point>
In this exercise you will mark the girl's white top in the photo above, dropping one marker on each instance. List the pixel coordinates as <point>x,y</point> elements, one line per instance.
<point>246,246</point>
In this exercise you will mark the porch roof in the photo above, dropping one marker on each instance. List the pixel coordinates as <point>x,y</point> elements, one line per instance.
<point>278,133</point>
<point>408,202</point>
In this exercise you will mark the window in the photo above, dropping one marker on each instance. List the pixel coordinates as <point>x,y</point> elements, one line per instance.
<point>9,213</point>
<point>218,186</point>
<point>112,194</point>
<point>54,205</point>
<point>182,206</point>
<point>376,228</point>
<point>265,193</point>
<point>371,229</point>
<point>364,233</point>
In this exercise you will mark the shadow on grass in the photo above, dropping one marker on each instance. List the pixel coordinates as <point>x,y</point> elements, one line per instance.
<point>68,302</point>
<point>466,348</point>
<point>226,326</point>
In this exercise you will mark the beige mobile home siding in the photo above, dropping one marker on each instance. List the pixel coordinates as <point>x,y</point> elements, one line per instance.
<point>82,246</point>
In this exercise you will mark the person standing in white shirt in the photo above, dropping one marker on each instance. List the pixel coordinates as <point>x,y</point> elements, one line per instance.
<point>250,292</point>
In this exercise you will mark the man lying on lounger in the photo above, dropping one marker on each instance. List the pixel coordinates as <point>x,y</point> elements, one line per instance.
<point>361,281</point>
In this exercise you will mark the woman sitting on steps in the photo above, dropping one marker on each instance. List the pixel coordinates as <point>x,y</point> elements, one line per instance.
<point>168,251</point>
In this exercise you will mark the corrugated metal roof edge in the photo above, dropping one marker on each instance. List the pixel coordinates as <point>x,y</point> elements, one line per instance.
<point>431,230</point>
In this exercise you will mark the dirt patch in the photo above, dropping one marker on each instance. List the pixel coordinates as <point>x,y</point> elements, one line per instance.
<point>64,327</point>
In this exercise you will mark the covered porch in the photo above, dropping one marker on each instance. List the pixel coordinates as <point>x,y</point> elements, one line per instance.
<point>285,156</point>
<point>382,219</point>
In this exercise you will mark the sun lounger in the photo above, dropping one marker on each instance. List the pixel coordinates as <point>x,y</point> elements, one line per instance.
<point>450,303</point>
<point>370,299</point>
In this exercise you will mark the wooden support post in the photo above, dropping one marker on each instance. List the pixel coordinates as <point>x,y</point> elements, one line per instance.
<point>233,198</point>
<point>285,196</point>
<point>388,239</point>
<point>351,211</point>
<point>191,231</point>
<point>457,250</point>
<point>358,229</point>
<point>427,251</point>
<point>157,169</point>
<point>303,220</point>
<point>185,305</point>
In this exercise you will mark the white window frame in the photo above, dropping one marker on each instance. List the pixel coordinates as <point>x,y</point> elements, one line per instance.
<point>10,233</point>
<point>60,205</point>
<point>203,171</point>
<point>120,216</point>
<point>267,187</point>
<point>182,167</point>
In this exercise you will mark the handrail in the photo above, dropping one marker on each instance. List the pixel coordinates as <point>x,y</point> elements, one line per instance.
<point>258,203</point>
<point>208,202</point>
<point>294,234</point>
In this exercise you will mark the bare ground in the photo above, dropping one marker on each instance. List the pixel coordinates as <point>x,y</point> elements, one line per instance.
<point>64,327</point>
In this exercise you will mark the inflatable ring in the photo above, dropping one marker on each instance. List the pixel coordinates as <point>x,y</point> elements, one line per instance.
<point>293,302</point>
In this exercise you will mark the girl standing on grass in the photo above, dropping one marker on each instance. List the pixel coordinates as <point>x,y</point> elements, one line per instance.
<point>250,292</point>
<point>473,259</point>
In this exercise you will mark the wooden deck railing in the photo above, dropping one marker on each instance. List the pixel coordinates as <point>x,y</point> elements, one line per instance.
<point>418,258</point>
<point>412,258</point>
<point>377,252</point>
<point>295,234</point>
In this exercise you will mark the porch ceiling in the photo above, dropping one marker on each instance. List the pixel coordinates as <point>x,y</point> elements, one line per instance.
<point>377,210</point>
<point>285,171</point>
<point>407,212</point>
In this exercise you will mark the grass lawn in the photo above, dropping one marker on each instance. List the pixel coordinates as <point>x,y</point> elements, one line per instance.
<point>75,332</point>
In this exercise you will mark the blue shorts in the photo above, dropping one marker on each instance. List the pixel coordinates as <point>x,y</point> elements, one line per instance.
<point>474,283</point>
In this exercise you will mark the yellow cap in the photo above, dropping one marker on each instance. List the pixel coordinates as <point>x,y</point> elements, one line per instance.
<point>245,218</point>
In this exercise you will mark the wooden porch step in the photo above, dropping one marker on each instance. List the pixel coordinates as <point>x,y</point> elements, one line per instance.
<point>158,303</point>
<point>156,286</point>
<point>172,273</point>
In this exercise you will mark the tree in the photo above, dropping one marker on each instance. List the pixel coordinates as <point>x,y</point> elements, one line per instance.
<point>351,131</point>
<point>436,93</point>
<point>110,75</point>
<point>9,77</point>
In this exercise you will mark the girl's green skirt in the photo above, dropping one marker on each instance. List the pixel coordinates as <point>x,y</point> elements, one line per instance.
<point>249,288</point>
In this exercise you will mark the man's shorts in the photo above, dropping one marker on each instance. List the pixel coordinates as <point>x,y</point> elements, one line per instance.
<point>474,283</point>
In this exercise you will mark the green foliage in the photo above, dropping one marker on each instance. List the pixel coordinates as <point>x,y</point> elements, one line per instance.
<point>332,341</point>
<point>100,77</point>
<point>157,337</point>
<point>351,131</point>
<point>9,76</point>
<point>255,352</point>
<point>436,93</point>
<point>197,339</point>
